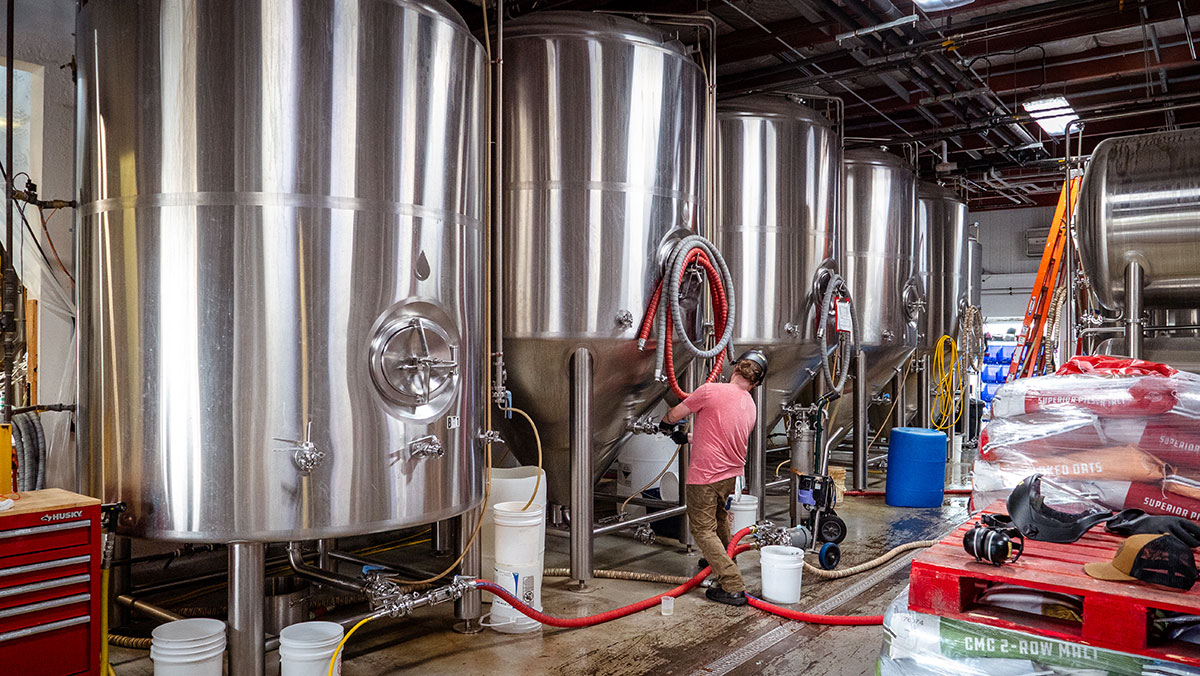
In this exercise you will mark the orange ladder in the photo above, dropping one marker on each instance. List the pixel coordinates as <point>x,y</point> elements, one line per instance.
<point>1029,340</point>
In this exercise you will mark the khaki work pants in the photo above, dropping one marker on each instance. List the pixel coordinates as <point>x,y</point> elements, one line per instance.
<point>710,528</point>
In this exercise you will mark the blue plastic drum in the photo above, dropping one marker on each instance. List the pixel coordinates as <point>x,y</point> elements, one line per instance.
<point>916,469</point>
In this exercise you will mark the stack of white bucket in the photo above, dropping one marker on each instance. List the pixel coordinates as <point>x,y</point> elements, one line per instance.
<point>520,548</point>
<point>305,648</point>
<point>508,484</point>
<point>192,647</point>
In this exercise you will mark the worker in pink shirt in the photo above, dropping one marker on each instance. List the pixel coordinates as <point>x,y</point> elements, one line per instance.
<point>725,415</point>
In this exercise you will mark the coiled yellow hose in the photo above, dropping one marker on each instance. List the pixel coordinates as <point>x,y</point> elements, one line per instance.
<point>946,371</point>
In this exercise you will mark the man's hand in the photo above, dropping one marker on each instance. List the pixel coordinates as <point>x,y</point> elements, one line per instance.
<point>673,430</point>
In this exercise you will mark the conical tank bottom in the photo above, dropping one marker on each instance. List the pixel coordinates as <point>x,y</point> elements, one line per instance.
<point>540,377</point>
<point>882,362</point>
<point>792,366</point>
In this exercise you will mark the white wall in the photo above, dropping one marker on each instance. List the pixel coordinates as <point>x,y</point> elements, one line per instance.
<point>1008,274</point>
<point>44,37</point>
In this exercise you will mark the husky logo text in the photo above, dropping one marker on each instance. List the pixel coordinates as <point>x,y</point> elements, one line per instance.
<point>62,516</point>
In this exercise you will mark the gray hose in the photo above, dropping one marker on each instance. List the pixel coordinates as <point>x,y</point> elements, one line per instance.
<point>36,421</point>
<point>834,284</point>
<point>636,576</point>
<point>669,302</point>
<point>29,443</point>
<point>19,451</point>
<point>873,563</point>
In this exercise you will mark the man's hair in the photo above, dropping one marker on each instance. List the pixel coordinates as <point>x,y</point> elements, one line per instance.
<point>749,370</point>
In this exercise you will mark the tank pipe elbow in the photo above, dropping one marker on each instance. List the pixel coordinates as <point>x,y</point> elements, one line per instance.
<point>318,575</point>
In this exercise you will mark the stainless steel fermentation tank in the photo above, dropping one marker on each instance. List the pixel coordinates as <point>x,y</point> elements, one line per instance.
<point>602,167</point>
<point>942,257</point>
<point>777,226</point>
<point>1139,225</point>
<point>280,272</point>
<point>603,129</point>
<point>880,198</point>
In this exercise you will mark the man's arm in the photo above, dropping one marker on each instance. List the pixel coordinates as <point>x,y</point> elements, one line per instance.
<point>678,413</point>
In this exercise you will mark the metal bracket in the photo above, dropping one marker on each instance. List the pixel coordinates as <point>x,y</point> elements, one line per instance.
<point>645,425</point>
<point>491,437</point>
<point>427,447</point>
<point>305,454</point>
<point>624,319</point>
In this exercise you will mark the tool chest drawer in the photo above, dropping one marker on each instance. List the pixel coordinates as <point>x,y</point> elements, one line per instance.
<point>50,585</point>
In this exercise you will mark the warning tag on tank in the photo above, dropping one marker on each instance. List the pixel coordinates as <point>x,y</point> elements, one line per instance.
<point>841,315</point>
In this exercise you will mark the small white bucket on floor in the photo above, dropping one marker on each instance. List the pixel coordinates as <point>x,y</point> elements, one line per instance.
<point>782,570</point>
<point>193,647</point>
<point>508,484</point>
<point>520,551</point>
<point>305,648</point>
<point>743,512</point>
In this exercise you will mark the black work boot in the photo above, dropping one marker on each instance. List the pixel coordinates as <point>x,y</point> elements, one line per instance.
<point>719,595</point>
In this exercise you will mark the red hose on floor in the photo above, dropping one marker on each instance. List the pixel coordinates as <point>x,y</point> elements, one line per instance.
<point>720,304</point>
<point>600,618</point>
<point>879,494</point>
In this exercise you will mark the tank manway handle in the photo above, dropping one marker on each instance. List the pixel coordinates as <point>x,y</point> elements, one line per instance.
<point>690,251</point>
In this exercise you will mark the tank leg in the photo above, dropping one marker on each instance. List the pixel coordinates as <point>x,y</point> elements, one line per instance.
<point>1134,307</point>
<point>861,426</point>
<point>469,608</point>
<point>120,582</point>
<point>923,396</point>
<point>899,398</point>
<point>685,529</point>
<point>246,638</point>
<point>440,542</point>
<point>324,547</point>
<point>756,474</point>
<point>582,490</point>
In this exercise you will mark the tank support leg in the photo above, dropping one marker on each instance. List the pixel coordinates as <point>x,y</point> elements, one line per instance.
<point>685,452</point>
<point>1134,307</point>
<point>923,395</point>
<point>862,394</point>
<point>899,398</point>
<point>582,490</point>
<point>439,544</point>
<point>246,639</point>
<point>121,582</point>
<point>468,609</point>
<point>756,474</point>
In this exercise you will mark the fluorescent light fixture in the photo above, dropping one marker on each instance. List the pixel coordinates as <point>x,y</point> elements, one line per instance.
<point>939,5</point>
<point>1052,113</point>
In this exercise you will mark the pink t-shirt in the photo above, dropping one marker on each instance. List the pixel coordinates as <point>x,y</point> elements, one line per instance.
<point>724,418</point>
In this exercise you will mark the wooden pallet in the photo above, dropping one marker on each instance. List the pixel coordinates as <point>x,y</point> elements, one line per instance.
<point>947,581</point>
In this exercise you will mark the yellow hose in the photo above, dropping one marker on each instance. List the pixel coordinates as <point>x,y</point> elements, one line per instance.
<point>537,438</point>
<point>944,374</point>
<point>104,574</point>
<point>342,644</point>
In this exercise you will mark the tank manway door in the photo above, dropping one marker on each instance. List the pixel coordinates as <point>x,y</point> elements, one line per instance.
<point>414,363</point>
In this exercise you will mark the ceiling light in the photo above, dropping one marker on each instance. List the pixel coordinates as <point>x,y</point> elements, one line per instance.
<point>939,5</point>
<point>1052,113</point>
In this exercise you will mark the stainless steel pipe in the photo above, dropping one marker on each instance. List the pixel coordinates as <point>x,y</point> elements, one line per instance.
<point>756,474</point>
<point>469,607</point>
<point>1134,309</point>
<point>581,468</point>
<point>899,403</point>
<point>924,395</point>
<point>148,609</point>
<point>321,576</point>
<point>245,618</point>
<point>439,542</point>
<point>862,395</point>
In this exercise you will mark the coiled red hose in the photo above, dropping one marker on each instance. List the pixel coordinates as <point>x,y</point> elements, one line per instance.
<point>600,618</point>
<point>720,306</point>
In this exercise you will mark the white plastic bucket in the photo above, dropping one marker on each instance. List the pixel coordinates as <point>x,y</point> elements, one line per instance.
<point>743,512</point>
<point>192,647</point>
<point>509,484</point>
<point>782,569</point>
<point>520,548</point>
<point>306,648</point>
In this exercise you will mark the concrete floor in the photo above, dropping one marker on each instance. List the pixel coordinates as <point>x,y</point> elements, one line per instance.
<point>700,638</point>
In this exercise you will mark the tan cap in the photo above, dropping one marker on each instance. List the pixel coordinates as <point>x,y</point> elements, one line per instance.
<point>1122,563</point>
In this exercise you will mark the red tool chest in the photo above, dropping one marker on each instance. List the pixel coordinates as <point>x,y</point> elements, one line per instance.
<point>50,585</point>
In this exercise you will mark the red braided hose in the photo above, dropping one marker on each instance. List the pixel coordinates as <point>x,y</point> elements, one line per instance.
<point>720,306</point>
<point>733,550</point>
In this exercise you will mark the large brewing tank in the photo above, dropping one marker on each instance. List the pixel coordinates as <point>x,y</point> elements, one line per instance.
<point>603,129</point>
<point>777,226</point>
<point>881,195</point>
<point>1140,201</point>
<point>280,242</point>
<point>942,259</point>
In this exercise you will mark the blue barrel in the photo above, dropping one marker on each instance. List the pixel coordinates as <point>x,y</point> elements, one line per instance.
<point>916,469</point>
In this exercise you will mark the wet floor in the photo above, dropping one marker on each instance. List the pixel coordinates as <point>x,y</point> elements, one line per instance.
<point>701,637</point>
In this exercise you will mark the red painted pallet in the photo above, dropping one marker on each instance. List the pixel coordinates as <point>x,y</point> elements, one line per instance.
<point>947,581</point>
